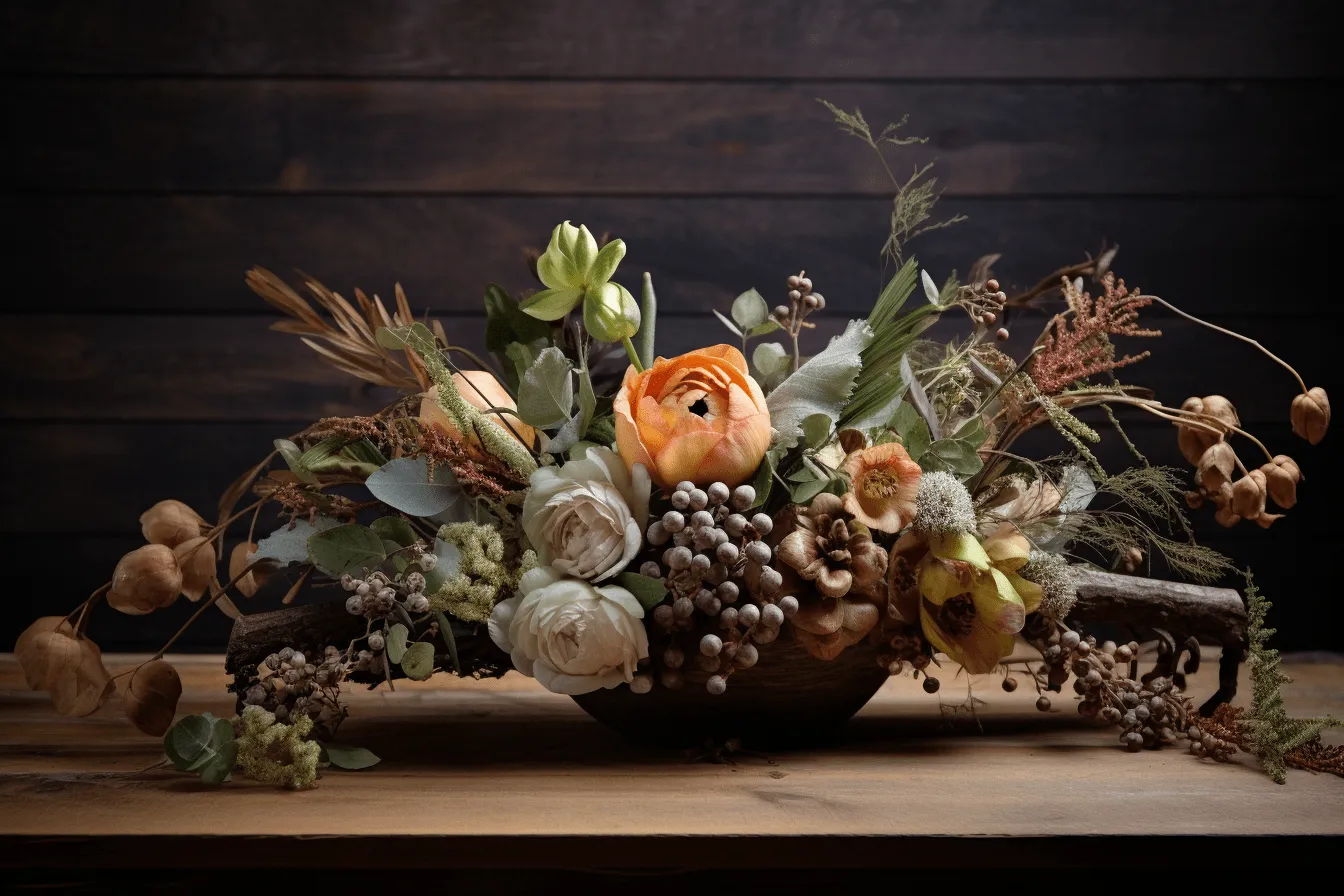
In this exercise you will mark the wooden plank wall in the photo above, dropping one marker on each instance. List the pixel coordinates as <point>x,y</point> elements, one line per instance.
<point>155,152</point>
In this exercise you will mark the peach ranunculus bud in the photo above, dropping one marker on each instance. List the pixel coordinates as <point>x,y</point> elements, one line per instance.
<point>698,417</point>
<point>883,484</point>
<point>1310,414</point>
<point>482,391</point>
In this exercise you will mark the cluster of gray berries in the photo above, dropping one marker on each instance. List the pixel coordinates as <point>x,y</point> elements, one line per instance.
<point>724,596</point>
<point>1150,713</point>
<point>289,684</point>
<point>378,595</point>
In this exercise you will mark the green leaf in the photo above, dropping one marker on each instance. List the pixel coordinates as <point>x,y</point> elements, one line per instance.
<point>189,737</point>
<point>647,590</point>
<point>750,310</point>
<point>293,458</point>
<point>919,398</point>
<point>816,430</point>
<point>350,758</point>
<point>805,492</point>
<point>404,484</point>
<point>446,629</point>
<point>821,386</point>
<point>418,661</point>
<point>587,400</point>
<point>770,358</point>
<point>546,392</point>
<point>551,304</point>
<point>522,356</point>
<point>396,530</point>
<point>729,324</point>
<point>954,456</point>
<point>289,544</point>
<point>764,479</point>
<point>450,563</point>
<point>972,432</point>
<point>505,322</point>
<point>394,642</point>
<point>350,548</point>
<point>768,326</point>
<point>220,767</point>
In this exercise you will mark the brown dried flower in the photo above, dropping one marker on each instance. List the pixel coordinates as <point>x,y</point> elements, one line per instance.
<point>66,665</point>
<point>823,545</point>
<point>1076,345</point>
<point>170,523</point>
<point>1216,466</point>
<point>151,697</point>
<point>1310,414</point>
<point>196,558</point>
<point>145,580</point>
<point>1193,440</point>
<point>883,484</point>
<point>1281,478</point>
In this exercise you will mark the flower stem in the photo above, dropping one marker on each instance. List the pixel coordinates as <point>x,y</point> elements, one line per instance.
<point>1273,357</point>
<point>200,611</point>
<point>632,355</point>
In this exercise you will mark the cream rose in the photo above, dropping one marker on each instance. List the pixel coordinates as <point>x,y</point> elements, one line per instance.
<point>570,636</point>
<point>587,517</point>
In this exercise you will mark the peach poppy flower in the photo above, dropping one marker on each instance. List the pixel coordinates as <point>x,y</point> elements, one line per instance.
<point>697,417</point>
<point>883,484</point>
<point>482,391</point>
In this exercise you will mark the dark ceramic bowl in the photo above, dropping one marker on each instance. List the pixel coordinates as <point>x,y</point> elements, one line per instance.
<point>789,698</point>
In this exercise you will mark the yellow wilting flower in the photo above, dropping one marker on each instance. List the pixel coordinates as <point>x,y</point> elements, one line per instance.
<point>972,600</point>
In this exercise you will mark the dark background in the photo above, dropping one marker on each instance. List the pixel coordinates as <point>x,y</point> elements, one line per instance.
<point>156,150</point>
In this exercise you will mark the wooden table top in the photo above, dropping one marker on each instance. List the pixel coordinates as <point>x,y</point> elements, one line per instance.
<point>479,766</point>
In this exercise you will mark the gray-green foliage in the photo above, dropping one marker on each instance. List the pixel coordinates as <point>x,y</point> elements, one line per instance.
<point>1271,733</point>
<point>405,484</point>
<point>351,548</point>
<point>546,393</point>
<point>821,386</point>
<point>204,745</point>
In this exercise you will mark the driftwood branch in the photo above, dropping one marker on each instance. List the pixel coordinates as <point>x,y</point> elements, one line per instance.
<point>1179,615</point>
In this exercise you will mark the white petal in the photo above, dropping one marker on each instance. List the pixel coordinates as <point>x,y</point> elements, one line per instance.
<point>501,617</point>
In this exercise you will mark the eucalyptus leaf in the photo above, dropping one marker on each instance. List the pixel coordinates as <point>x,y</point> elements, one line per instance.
<point>770,358</point>
<point>816,430</point>
<point>972,432</point>
<point>647,590</point>
<point>394,642</point>
<point>506,323</point>
<point>764,479</point>
<point>220,767</point>
<point>821,386</point>
<point>418,661</point>
<point>396,530</point>
<point>449,564</point>
<point>189,737</point>
<point>919,398</point>
<point>728,323</point>
<point>522,356</point>
<point>350,758</point>
<point>546,393</point>
<point>351,548</point>
<point>959,457</point>
<point>764,328</point>
<point>404,484</point>
<point>750,310</point>
<point>289,544</point>
<point>805,492</point>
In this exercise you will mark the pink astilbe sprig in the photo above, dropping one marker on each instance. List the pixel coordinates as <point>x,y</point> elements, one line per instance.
<point>1077,344</point>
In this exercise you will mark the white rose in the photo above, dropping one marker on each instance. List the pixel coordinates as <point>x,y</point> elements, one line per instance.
<point>587,517</point>
<point>570,636</point>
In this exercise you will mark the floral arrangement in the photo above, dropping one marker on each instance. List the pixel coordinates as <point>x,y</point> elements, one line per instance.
<point>592,514</point>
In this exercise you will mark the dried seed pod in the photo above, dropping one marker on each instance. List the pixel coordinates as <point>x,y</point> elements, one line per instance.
<point>1281,479</point>
<point>145,580</point>
<point>1310,414</point>
<point>151,697</point>
<point>196,558</point>
<point>69,668</point>
<point>1195,441</point>
<point>1216,466</point>
<point>170,523</point>
<point>1248,495</point>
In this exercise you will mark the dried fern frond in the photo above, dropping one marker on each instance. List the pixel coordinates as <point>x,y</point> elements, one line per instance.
<point>346,338</point>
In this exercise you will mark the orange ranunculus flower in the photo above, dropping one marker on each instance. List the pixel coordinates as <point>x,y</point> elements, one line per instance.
<point>481,390</point>
<point>883,483</point>
<point>697,417</point>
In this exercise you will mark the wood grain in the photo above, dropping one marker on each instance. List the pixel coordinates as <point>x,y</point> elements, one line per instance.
<point>659,138</point>
<point>841,39</point>
<point>467,766</point>
<point>128,254</point>
<point>118,368</point>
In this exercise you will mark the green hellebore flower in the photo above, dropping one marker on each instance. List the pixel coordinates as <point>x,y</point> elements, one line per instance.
<point>573,271</point>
